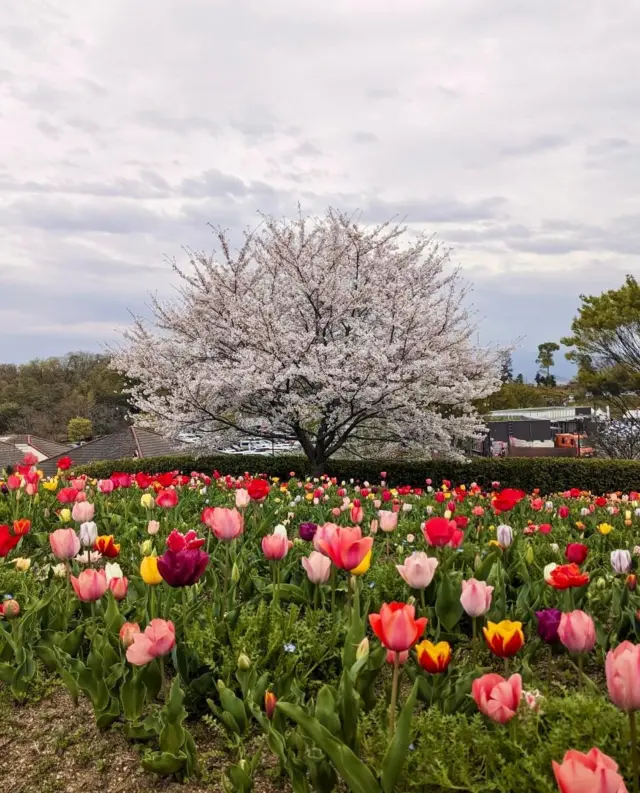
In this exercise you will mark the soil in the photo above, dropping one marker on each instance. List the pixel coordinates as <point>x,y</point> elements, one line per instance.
<point>53,746</point>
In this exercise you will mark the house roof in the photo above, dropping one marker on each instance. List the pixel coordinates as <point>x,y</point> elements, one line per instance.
<point>9,455</point>
<point>44,446</point>
<point>129,442</point>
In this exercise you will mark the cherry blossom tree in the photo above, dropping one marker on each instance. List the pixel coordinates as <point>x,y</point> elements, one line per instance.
<point>337,335</point>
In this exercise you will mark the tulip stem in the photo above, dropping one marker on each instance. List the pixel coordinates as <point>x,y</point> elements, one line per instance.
<point>152,602</point>
<point>394,694</point>
<point>423,604</point>
<point>549,663</point>
<point>316,596</point>
<point>474,641</point>
<point>634,749</point>
<point>333,590</point>
<point>580,674</point>
<point>506,667</point>
<point>163,678</point>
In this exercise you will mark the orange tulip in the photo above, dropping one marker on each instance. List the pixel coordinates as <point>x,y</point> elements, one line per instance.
<point>505,638</point>
<point>396,626</point>
<point>434,658</point>
<point>21,526</point>
<point>270,702</point>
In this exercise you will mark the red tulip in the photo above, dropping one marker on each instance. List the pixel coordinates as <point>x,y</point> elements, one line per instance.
<point>64,463</point>
<point>593,772</point>
<point>563,512</point>
<point>396,626</point>
<point>566,576</point>
<point>576,552</point>
<point>190,541</point>
<point>258,489</point>
<point>440,531</point>
<point>67,495</point>
<point>167,498</point>
<point>8,541</point>
<point>496,697</point>
<point>21,526</point>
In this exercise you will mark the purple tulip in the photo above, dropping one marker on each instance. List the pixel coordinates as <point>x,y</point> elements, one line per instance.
<point>548,624</point>
<point>307,531</point>
<point>182,568</point>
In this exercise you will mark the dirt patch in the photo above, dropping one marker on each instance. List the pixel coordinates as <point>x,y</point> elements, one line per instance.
<point>53,746</point>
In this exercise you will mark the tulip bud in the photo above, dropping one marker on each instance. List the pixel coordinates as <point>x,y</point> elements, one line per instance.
<point>529,557</point>
<point>477,562</point>
<point>270,702</point>
<point>65,515</point>
<point>10,609</point>
<point>601,583</point>
<point>632,582</point>
<point>363,649</point>
<point>146,547</point>
<point>244,662</point>
<point>235,573</point>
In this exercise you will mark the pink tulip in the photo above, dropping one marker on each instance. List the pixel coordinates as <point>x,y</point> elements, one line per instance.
<point>357,514</point>
<point>476,597</point>
<point>373,527</point>
<point>577,632</point>
<point>346,547</point>
<point>64,543</point>
<point>80,496</point>
<point>324,532</point>
<point>83,511</point>
<point>90,585</point>
<point>336,512</point>
<point>243,499</point>
<point>623,676</point>
<point>275,546</point>
<point>106,486</point>
<point>13,482</point>
<point>388,520</point>
<point>78,484</point>
<point>226,524</point>
<point>127,632</point>
<point>317,566</point>
<point>496,697</point>
<point>593,772</point>
<point>158,638</point>
<point>31,489</point>
<point>418,570</point>
<point>119,587</point>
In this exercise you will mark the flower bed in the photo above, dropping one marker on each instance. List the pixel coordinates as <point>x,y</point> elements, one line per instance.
<point>434,638</point>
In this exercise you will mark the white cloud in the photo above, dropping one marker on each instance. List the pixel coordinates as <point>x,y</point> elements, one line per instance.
<point>507,128</point>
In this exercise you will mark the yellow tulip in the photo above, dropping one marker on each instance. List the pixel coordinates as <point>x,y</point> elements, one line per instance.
<point>364,565</point>
<point>65,515</point>
<point>22,564</point>
<point>149,570</point>
<point>605,528</point>
<point>146,500</point>
<point>51,484</point>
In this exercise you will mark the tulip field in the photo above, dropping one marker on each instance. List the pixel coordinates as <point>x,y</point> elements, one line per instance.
<point>330,635</point>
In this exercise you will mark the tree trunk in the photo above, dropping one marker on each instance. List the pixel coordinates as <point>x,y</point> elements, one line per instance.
<point>317,466</point>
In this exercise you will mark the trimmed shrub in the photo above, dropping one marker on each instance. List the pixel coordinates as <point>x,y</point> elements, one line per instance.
<point>549,474</point>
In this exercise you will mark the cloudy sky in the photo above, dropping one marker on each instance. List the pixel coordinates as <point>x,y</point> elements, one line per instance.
<point>508,128</point>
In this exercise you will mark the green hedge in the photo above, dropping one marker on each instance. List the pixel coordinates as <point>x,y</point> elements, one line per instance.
<point>549,474</point>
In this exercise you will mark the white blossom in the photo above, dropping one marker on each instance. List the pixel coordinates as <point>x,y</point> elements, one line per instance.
<point>320,331</point>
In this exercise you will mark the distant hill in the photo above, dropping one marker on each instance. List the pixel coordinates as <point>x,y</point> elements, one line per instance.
<point>41,396</point>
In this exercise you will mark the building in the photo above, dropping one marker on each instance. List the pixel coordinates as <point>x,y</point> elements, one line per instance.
<point>127,443</point>
<point>32,444</point>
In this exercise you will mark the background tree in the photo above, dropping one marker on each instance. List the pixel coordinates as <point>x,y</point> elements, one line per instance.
<point>546,361</point>
<point>506,368</point>
<point>319,331</point>
<point>605,342</point>
<point>41,396</point>
<point>79,429</point>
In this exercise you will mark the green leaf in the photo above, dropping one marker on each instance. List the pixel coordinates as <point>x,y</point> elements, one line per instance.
<point>112,617</point>
<point>399,745</point>
<point>482,573</point>
<point>233,705</point>
<point>71,642</point>
<point>132,695</point>
<point>172,716</point>
<point>448,606</point>
<point>163,763</point>
<point>325,710</point>
<point>353,771</point>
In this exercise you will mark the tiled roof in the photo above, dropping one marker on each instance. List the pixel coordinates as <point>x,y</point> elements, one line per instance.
<point>129,442</point>
<point>46,447</point>
<point>9,455</point>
